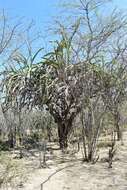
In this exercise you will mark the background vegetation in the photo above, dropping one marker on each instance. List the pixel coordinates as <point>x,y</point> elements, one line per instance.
<point>73,95</point>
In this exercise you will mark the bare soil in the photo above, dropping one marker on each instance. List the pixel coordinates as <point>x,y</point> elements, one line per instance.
<point>68,172</point>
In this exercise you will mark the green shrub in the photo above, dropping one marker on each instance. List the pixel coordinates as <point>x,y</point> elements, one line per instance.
<point>4,145</point>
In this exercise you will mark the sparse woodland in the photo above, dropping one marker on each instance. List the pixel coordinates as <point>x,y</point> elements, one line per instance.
<point>71,100</point>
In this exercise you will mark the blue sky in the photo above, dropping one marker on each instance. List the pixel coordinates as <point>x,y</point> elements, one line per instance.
<point>41,11</point>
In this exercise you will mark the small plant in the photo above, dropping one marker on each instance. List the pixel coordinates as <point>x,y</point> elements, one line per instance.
<point>11,172</point>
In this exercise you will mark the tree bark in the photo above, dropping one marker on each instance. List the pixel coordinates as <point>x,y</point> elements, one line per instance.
<point>117,126</point>
<point>62,134</point>
<point>11,139</point>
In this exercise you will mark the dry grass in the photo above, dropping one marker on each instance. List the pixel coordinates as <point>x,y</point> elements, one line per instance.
<point>12,172</point>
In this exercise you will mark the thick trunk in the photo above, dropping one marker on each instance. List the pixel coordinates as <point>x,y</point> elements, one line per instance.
<point>90,156</point>
<point>11,139</point>
<point>64,128</point>
<point>62,134</point>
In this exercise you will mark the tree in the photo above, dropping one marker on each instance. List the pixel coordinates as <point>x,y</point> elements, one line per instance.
<point>115,91</point>
<point>72,77</point>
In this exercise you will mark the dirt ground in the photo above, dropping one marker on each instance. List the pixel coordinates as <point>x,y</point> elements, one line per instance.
<point>68,172</point>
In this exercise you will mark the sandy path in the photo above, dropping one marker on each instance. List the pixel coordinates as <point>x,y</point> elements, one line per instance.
<point>90,177</point>
<point>83,176</point>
